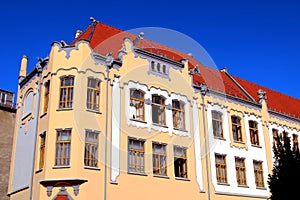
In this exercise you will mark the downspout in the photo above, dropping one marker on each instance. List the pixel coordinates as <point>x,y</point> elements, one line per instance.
<point>106,134</point>
<point>39,71</point>
<point>204,90</point>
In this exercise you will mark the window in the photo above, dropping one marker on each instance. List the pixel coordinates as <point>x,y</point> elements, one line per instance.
<point>153,66</point>
<point>158,67</point>
<point>275,136</point>
<point>221,168</point>
<point>236,129</point>
<point>42,150</point>
<point>295,142</point>
<point>240,171</point>
<point>159,159</point>
<point>253,132</point>
<point>178,114</point>
<point>217,124</point>
<point>180,162</point>
<point>136,155</point>
<point>2,99</point>
<point>137,105</point>
<point>28,104</point>
<point>63,147</point>
<point>93,94</point>
<point>158,110</point>
<point>164,69</point>
<point>66,92</point>
<point>46,96</point>
<point>91,149</point>
<point>258,173</point>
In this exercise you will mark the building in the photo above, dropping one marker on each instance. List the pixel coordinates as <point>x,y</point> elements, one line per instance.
<point>7,124</point>
<point>113,115</point>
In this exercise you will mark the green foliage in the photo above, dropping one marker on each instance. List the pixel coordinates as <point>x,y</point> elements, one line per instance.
<point>285,177</point>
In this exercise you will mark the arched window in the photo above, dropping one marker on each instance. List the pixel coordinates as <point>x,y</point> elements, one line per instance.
<point>137,104</point>
<point>236,128</point>
<point>28,104</point>
<point>153,66</point>
<point>217,124</point>
<point>158,110</point>
<point>178,114</point>
<point>158,67</point>
<point>164,69</point>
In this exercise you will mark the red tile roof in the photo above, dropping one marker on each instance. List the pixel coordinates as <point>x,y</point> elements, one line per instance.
<point>104,39</point>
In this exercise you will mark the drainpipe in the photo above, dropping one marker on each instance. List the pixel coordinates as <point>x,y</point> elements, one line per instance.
<point>204,90</point>
<point>38,67</point>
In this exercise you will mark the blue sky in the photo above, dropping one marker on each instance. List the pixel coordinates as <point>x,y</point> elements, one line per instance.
<point>256,40</point>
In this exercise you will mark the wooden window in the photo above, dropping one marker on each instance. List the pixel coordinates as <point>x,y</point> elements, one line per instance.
<point>275,136</point>
<point>180,162</point>
<point>66,92</point>
<point>136,156</point>
<point>258,173</point>
<point>158,110</point>
<point>93,94</point>
<point>91,149</point>
<point>236,128</point>
<point>42,150</point>
<point>240,171</point>
<point>46,96</point>
<point>221,168</point>
<point>295,142</point>
<point>137,105</point>
<point>159,159</point>
<point>178,114</point>
<point>63,147</point>
<point>217,124</point>
<point>253,132</point>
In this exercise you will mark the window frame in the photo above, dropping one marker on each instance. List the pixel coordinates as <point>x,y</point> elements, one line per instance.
<point>93,103</point>
<point>136,158</point>
<point>156,159</point>
<point>46,96</point>
<point>241,180</point>
<point>181,111</point>
<point>68,102</point>
<point>182,163</point>
<point>64,161</point>
<point>295,142</point>
<point>253,131</point>
<point>42,150</point>
<point>258,174</point>
<point>141,101</point>
<point>237,137</point>
<point>218,122</point>
<point>163,105</point>
<point>91,159</point>
<point>220,169</point>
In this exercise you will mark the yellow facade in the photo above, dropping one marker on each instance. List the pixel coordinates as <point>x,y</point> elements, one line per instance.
<point>111,178</point>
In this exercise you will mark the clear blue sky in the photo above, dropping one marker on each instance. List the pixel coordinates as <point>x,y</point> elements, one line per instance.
<point>256,40</point>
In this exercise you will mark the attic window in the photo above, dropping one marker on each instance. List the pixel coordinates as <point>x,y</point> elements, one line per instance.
<point>158,68</point>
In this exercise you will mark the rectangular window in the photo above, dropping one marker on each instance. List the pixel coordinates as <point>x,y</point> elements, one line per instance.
<point>221,168</point>
<point>91,149</point>
<point>63,147</point>
<point>295,142</point>
<point>217,124</point>
<point>66,92</point>
<point>159,159</point>
<point>178,114</point>
<point>137,105</point>
<point>275,136</point>
<point>136,156</point>
<point>236,129</point>
<point>180,162</point>
<point>253,132</point>
<point>42,150</point>
<point>93,94</point>
<point>158,110</point>
<point>46,96</point>
<point>240,171</point>
<point>258,173</point>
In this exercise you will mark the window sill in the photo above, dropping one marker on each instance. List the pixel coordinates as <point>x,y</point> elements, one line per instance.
<point>226,184</point>
<point>44,114</point>
<point>161,176</point>
<point>92,168</point>
<point>219,138</point>
<point>38,171</point>
<point>61,167</point>
<point>160,125</point>
<point>179,129</point>
<point>255,145</point>
<point>26,116</point>
<point>94,111</point>
<point>244,186</point>
<point>138,173</point>
<point>239,142</point>
<point>141,121</point>
<point>261,188</point>
<point>182,179</point>
<point>64,109</point>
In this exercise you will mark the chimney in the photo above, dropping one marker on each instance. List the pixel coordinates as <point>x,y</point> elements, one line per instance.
<point>78,32</point>
<point>23,69</point>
